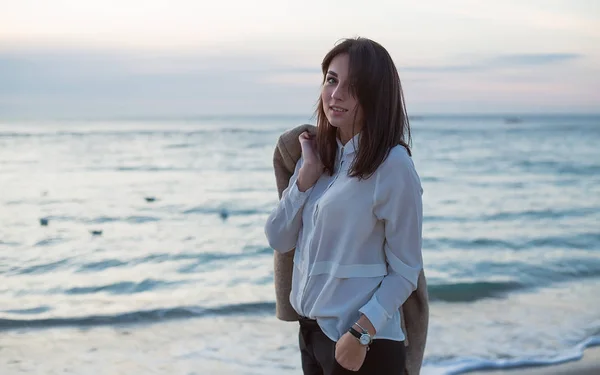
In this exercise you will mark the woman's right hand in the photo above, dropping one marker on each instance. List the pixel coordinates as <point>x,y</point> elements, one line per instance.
<point>311,168</point>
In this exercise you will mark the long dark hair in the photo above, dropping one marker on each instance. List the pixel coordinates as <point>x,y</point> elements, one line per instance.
<point>375,82</point>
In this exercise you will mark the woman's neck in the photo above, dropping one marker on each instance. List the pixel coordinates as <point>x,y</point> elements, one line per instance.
<point>344,137</point>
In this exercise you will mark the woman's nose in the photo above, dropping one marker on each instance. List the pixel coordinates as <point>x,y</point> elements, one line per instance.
<point>337,93</point>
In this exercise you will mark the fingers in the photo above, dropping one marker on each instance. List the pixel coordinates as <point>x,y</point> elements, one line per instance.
<point>306,139</point>
<point>306,135</point>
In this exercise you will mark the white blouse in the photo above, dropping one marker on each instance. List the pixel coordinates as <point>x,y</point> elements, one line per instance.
<point>358,243</point>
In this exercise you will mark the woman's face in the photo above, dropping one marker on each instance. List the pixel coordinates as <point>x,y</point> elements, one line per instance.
<point>341,108</point>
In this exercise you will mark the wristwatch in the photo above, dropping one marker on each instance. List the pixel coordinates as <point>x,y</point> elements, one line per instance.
<point>363,337</point>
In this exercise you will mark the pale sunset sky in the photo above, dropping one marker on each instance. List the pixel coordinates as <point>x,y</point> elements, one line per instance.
<point>183,58</point>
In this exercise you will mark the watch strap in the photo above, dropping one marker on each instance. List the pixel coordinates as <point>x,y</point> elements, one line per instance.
<point>355,333</point>
<point>358,336</point>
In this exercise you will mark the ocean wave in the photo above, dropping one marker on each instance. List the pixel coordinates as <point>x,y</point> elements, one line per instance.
<point>40,268</point>
<point>567,266</point>
<point>466,365</point>
<point>32,311</point>
<point>471,291</point>
<point>124,287</point>
<point>144,133</point>
<point>201,259</point>
<point>15,135</point>
<point>457,243</point>
<point>145,168</point>
<point>229,212</point>
<point>181,145</point>
<point>569,269</point>
<point>206,258</point>
<point>101,265</point>
<point>542,214</point>
<point>529,276</point>
<point>50,241</point>
<point>142,316</point>
<point>587,241</point>
<point>9,243</point>
<point>134,219</point>
<point>561,168</point>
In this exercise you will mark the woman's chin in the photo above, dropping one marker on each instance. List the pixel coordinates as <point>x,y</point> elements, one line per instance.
<point>335,122</point>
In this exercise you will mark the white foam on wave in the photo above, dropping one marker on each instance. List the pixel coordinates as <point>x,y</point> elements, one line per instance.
<point>463,365</point>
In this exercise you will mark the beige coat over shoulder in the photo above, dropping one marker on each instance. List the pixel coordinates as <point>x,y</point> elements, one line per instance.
<point>415,311</point>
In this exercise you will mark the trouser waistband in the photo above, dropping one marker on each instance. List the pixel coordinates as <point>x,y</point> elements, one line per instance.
<point>308,324</point>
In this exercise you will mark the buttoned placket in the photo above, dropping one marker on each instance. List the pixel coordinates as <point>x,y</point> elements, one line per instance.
<point>306,254</point>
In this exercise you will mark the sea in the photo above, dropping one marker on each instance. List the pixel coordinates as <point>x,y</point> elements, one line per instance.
<point>137,245</point>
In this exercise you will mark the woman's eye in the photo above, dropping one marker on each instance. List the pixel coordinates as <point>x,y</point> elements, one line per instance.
<point>331,80</point>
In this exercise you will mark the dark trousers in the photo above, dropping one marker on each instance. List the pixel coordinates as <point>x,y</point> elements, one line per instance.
<point>385,357</point>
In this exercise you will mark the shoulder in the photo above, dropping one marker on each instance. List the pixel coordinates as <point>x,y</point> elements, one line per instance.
<point>398,169</point>
<point>398,160</point>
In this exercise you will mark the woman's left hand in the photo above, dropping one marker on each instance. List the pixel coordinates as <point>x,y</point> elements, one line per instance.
<point>349,353</point>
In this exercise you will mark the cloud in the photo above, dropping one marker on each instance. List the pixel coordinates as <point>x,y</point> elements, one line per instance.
<point>441,68</point>
<point>534,59</point>
<point>73,82</point>
<point>501,61</point>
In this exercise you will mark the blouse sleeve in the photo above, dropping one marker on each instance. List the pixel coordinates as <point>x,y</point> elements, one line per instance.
<point>398,203</point>
<point>285,221</point>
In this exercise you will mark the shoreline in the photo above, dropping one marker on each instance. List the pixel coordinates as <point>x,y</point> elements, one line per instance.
<point>589,364</point>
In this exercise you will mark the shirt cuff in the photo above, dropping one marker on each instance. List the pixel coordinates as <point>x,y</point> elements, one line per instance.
<point>297,197</point>
<point>375,313</point>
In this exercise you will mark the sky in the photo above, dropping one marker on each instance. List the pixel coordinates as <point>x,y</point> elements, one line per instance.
<point>69,58</point>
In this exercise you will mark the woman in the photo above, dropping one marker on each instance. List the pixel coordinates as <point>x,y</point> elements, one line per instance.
<point>353,212</point>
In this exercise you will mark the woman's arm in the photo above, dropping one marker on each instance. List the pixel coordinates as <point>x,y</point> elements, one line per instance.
<point>284,223</point>
<point>398,203</point>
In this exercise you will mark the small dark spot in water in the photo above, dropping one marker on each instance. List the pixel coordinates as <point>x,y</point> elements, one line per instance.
<point>150,199</point>
<point>44,222</point>
<point>224,214</point>
<point>96,232</point>
<point>93,350</point>
<point>512,120</point>
<point>125,333</point>
<point>141,219</point>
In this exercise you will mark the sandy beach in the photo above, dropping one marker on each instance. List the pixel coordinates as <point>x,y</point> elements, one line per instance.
<point>589,364</point>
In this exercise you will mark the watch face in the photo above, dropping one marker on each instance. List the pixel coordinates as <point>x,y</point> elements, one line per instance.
<point>365,339</point>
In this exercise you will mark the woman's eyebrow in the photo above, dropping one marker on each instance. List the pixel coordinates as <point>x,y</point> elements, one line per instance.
<point>331,72</point>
